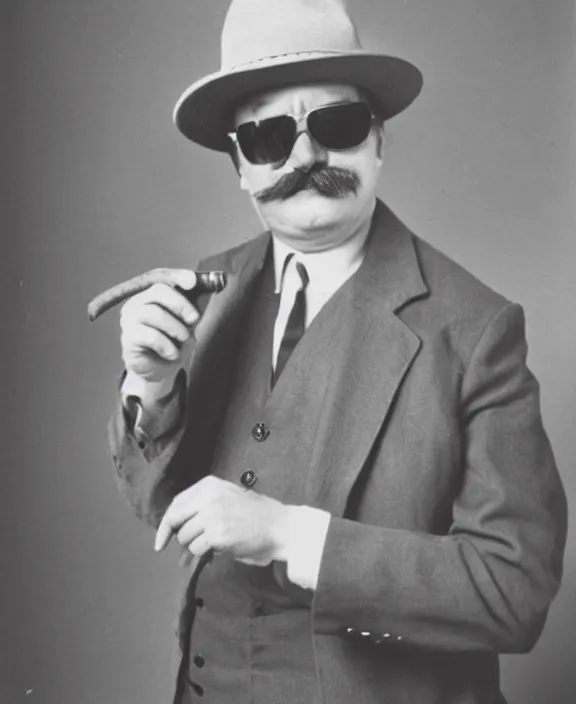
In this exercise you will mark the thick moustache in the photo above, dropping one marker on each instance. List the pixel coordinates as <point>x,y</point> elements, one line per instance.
<point>329,181</point>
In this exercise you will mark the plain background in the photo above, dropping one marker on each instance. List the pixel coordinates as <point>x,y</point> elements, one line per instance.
<point>98,186</point>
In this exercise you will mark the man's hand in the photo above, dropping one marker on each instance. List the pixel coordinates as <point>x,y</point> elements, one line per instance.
<point>216,514</point>
<point>156,329</point>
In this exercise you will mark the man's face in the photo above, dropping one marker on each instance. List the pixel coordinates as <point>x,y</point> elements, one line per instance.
<point>306,218</point>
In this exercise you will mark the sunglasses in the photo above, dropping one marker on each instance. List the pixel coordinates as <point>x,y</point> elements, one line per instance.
<point>335,127</point>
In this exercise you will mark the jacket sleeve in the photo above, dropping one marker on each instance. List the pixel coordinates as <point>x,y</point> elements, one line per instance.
<point>149,477</point>
<point>488,583</point>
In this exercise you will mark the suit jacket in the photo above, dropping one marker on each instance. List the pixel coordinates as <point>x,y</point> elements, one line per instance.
<point>448,515</point>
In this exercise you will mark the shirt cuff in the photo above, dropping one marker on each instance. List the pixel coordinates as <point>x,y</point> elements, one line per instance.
<point>154,409</point>
<point>307,527</point>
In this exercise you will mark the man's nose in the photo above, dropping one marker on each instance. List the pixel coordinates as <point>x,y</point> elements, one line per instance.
<point>306,153</point>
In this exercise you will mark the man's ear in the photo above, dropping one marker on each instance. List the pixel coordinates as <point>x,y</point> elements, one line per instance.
<point>238,166</point>
<point>233,154</point>
<point>243,182</point>
<point>380,141</point>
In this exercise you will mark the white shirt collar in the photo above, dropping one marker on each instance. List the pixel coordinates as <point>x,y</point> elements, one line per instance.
<point>327,270</point>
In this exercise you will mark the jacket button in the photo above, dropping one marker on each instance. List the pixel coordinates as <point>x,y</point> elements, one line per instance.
<point>199,661</point>
<point>260,432</point>
<point>199,602</point>
<point>248,478</point>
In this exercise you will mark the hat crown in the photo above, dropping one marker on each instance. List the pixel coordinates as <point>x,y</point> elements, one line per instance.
<point>255,30</point>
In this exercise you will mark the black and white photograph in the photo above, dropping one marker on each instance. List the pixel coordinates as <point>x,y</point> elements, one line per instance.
<point>289,361</point>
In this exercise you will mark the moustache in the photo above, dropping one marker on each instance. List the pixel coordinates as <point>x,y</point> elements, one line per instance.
<point>329,181</point>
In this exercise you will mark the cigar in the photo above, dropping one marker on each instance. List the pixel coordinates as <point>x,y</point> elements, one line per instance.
<point>207,282</point>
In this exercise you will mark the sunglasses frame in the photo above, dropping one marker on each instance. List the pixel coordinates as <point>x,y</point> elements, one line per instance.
<point>301,121</point>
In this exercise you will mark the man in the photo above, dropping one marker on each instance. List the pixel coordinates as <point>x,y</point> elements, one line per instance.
<point>347,439</point>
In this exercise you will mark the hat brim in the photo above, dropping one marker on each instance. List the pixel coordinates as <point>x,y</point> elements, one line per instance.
<point>204,111</point>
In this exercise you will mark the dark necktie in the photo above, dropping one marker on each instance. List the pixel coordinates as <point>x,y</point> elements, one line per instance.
<point>296,325</point>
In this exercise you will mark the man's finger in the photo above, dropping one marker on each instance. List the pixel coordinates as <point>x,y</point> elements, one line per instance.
<point>190,530</point>
<point>200,546</point>
<point>184,506</point>
<point>176,515</point>
<point>143,338</point>
<point>163,534</point>
<point>186,559</point>
<point>185,278</point>
<point>173,301</point>
<point>157,317</point>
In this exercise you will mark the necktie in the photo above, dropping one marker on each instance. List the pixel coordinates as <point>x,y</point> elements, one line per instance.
<point>296,325</point>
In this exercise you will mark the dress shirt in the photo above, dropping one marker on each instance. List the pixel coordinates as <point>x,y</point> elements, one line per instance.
<point>327,272</point>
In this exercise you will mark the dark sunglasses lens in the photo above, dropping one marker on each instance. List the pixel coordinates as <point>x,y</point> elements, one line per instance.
<point>340,126</point>
<point>267,141</point>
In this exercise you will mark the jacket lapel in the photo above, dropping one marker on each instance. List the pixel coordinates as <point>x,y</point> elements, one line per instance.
<point>221,320</point>
<point>375,351</point>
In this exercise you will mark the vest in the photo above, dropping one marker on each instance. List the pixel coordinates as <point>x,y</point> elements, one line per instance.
<point>251,639</point>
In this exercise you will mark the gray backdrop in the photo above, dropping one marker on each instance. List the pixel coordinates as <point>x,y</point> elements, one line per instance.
<point>100,186</point>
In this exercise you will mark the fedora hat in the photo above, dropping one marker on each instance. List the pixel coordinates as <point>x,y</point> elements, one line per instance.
<point>268,44</point>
